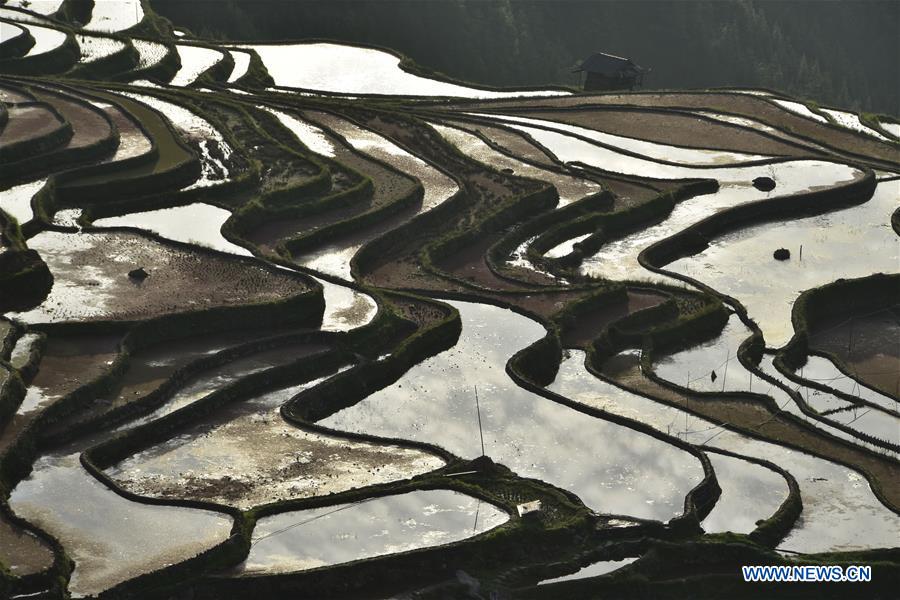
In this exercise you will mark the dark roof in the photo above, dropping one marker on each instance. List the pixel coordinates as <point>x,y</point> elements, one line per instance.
<point>607,64</point>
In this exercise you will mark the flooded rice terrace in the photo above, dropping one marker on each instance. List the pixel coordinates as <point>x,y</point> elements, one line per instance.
<point>300,319</point>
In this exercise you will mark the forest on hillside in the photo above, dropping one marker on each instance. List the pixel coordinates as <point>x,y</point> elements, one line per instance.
<point>840,52</point>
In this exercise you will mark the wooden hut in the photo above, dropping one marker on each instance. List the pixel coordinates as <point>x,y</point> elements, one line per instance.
<point>607,72</point>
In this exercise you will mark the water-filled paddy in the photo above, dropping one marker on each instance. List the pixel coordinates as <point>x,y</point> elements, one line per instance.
<point>602,567</point>
<point>644,148</point>
<point>618,259</point>
<point>198,223</point>
<point>241,64</point>
<point>334,257</point>
<point>800,109</point>
<point>22,552</point>
<point>95,47</point>
<point>9,31</point>
<point>570,188</point>
<point>849,243</point>
<point>865,344</point>
<point>194,61</point>
<point>115,16</point>
<point>20,16</point>
<point>840,512</point>
<point>149,53</point>
<point>694,368</point>
<point>43,7</point>
<point>355,70</point>
<point>307,539</point>
<point>750,492</point>
<point>45,38</point>
<point>284,197</point>
<point>249,455</point>
<point>16,201</point>
<point>635,474</point>
<point>823,371</point>
<point>211,145</point>
<point>92,282</point>
<point>851,121</point>
<point>111,539</point>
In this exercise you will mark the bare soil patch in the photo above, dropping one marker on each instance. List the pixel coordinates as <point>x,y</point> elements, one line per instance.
<point>509,142</point>
<point>869,345</point>
<point>12,95</point>
<point>21,552</point>
<point>92,283</point>
<point>28,122</point>
<point>675,129</point>
<point>67,364</point>
<point>88,126</point>
<point>590,325</point>
<point>745,105</point>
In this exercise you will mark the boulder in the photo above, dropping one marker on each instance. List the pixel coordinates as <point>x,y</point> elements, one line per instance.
<point>782,254</point>
<point>138,274</point>
<point>764,184</point>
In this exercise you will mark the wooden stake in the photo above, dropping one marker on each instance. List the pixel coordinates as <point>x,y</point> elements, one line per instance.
<point>478,408</point>
<point>725,373</point>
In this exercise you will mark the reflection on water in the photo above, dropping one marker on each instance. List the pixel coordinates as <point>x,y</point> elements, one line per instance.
<point>45,38</point>
<point>95,47</point>
<point>750,492</point>
<point>800,109</point>
<point>713,366</point>
<point>197,223</point>
<point>344,69</point>
<point>851,242</point>
<point>593,570</point>
<point>617,259</point>
<point>654,150</point>
<point>630,473</point>
<point>438,186</point>
<point>695,367</point>
<point>851,121</point>
<point>756,126</point>
<point>194,61</point>
<point>247,455</point>
<point>334,257</point>
<point>241,64</point>
<point>211,380</point>
<point>149,53</point>
<point>331,535</point>
<point>111,16</point>
<point>43,7</point>
<point>346,308</point>
<point>822,370</point>
<point>570,188</point>
<point>309,135</point>
<point>16,201</point>
<point>840,512</point>
<point>111,539</point>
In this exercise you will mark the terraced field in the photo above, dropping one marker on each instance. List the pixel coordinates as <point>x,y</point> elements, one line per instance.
<point>302,320</point>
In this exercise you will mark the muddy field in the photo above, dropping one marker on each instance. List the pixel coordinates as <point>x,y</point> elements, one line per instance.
<point>92,282</point>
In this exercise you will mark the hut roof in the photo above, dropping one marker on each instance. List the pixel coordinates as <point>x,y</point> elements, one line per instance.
<point>607,64</point>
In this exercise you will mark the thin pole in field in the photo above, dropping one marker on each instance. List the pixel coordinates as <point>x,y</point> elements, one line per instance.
<point>478,409</point>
